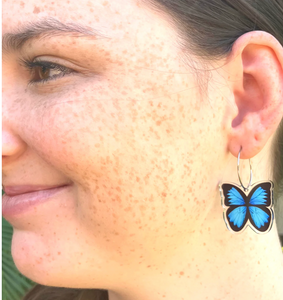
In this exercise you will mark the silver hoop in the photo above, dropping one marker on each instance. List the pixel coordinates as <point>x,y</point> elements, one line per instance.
<point>251,173</point>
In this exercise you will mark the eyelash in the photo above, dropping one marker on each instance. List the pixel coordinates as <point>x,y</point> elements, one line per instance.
<point>32,65</point>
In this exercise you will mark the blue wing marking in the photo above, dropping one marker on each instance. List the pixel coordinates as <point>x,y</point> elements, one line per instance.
<point>237,216</point>
<point>235,198</point>
<point>259,216</point>
<point>259,197</point>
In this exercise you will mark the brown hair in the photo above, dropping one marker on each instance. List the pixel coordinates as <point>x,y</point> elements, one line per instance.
<point>208,28</point>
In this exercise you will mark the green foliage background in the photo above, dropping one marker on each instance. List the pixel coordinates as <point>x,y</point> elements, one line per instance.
<point>14,284</point>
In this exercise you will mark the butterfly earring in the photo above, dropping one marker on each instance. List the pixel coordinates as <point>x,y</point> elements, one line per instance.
<point>247,208</point>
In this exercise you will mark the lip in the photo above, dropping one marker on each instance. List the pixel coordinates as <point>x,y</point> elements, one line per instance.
<point>23,189</point>
<point>19,199</point>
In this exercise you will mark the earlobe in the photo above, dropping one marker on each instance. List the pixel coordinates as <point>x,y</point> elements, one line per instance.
<point>255,68</point>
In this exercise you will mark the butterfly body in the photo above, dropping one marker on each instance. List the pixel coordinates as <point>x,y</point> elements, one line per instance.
<point>252,208</point>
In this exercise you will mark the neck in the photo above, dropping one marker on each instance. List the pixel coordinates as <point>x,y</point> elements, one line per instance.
<point>212,263</point>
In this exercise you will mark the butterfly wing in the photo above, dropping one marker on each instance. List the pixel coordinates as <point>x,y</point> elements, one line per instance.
<point>260,199</point>
<point>237,214</point>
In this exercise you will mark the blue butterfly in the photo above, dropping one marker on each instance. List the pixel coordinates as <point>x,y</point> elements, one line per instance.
<point>253,209</point>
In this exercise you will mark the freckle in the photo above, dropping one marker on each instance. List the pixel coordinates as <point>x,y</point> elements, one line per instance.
<point>181,273</point>
<point>59,253</point>
<point>204,244</point>
<point>258,262</point>
<point>164,194</point>
<point>36,10</point>
<point>148,266</point>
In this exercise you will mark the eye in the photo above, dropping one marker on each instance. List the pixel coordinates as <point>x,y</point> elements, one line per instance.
<point>42,71</point>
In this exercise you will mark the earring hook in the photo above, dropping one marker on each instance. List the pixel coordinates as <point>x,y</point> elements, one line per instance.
<point>238,169</point>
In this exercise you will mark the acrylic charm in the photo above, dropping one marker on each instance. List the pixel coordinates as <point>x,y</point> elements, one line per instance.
<point>248,206</point>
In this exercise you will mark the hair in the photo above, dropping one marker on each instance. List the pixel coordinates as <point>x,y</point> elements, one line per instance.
<point>208,28</point>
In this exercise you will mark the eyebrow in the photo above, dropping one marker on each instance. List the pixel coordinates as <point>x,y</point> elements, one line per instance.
<point>46,28</point>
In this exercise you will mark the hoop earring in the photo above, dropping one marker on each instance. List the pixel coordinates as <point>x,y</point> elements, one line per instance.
<point>238,170</point>
<point>244,208</point>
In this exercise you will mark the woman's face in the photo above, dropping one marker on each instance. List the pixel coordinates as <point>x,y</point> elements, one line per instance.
<point>118,116</point>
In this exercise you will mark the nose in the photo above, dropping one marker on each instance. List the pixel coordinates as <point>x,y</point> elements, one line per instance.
<point>12,146</point>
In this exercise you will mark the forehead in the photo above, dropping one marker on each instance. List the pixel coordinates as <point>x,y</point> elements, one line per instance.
<point>116,18</point>
<point>132,29</point>
<point>65,11</point>
<point>130,25</point>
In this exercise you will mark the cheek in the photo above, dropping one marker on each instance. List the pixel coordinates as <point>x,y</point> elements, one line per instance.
<point>132,160</point>
<point>126,142</point>
<point>105,126</point>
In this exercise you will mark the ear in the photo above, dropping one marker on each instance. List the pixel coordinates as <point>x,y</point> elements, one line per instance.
<point>255,69</point>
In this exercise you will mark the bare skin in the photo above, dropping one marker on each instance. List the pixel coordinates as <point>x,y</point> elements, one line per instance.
<point>144,151</point>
